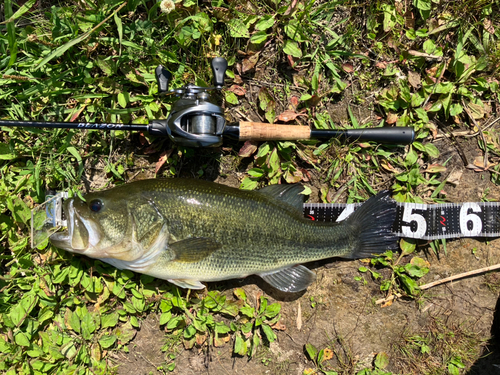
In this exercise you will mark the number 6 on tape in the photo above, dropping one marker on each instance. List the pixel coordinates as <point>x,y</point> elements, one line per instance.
<point>466,218</point>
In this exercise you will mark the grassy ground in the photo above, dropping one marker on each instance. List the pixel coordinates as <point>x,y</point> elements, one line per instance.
<point>430,64</point>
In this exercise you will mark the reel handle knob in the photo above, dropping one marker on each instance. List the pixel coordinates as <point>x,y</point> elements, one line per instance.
<point>219,66</point>
<point>163,77</point>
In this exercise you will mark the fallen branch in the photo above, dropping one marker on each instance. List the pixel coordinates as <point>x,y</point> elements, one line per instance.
<point>459,276</point>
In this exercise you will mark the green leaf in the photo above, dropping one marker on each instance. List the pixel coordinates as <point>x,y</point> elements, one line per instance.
<point>11,32</point>
<point>175,322</point>
<point>265,23</point>
<point>408,246</point>
<point>312,352</point>
<point>259,37</point>
<point>293,30</point>
<point>410,285</point>
<point>221,328</point>
<point>109,320</point>
<point>107,341</point>
<point>248,311</point>
<point>119,26</point>
<point>381,360</point>
<point>6,153</point>
<point>73,321</point>
<point>189,332</point>
<point>249,184</point>
<point>23,9</point>
<point>292,48</point>
<point>230,97</point>
<point>272,310</point>
<point>88,326</point>
<point>238,29</point>
<point>268,331</point>
<point>431,150</point>
<point>165,317</point>
<point>240,346</point>
<point>21,339</point>
<point>107,65</point>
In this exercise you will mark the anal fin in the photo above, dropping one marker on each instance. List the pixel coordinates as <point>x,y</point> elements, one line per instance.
<point>291,280</point>
<point>187,284</point>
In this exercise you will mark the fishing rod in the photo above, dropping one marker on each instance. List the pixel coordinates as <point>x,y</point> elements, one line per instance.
<point>194,121</point>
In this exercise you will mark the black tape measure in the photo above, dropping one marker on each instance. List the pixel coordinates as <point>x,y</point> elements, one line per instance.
<point>425,221</point>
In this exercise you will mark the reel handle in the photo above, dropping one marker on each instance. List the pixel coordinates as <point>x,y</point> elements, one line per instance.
<point>163,77</point>
<point>219,67</point>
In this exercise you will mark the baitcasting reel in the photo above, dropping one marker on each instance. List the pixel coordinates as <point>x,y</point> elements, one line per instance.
<point>194,121</point>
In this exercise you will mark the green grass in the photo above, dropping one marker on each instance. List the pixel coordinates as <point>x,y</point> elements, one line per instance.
<point>432,66</point>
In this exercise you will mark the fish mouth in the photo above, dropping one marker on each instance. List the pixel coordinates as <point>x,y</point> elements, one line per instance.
<point>81,233</point>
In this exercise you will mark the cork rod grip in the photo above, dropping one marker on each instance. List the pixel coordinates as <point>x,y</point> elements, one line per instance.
<point>256,131</point>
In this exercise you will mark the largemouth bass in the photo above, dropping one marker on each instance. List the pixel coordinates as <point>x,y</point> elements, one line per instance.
<point>189,231</point>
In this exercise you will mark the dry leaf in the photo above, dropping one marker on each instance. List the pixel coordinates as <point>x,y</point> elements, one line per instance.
<point>488,26</point>
<point>248,149</point>
<point>163,158</point>
<point>391,118</point>
<point>294,101</point>
<point>435,168</point>
<point>348,68</point>
<point>142,139</point>
<point>238,90</point>
<point>249,64</point>
<point>288,115</point>
<point>279,326</point>
<point>237,79</point>
<point>414,79</point>
<point>432,71</point>
<point>455,176</point>
<point>292,61</point>
<point>381,64</point>
<point>409,20</point>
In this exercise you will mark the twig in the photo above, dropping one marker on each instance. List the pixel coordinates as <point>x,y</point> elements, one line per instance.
<point>460,276</point>
<point>485,160</point>
<point>387,299</point>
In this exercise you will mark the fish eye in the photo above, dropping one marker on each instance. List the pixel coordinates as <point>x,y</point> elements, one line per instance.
<point>96,205</point>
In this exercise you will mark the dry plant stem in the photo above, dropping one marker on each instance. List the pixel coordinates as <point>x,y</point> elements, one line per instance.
<point>485,162</point>
<point>387,299</point>
<point>460,276</point>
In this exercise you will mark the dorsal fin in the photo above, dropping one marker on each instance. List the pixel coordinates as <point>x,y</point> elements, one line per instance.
<point>289,194</point>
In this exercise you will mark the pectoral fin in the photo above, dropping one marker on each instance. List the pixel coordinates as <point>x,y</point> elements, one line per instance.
<point>193,249</point>
<point>291,279</point>
<point>187,284</point>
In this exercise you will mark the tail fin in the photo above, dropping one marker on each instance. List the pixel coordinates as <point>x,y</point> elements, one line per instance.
<point>373,224</point>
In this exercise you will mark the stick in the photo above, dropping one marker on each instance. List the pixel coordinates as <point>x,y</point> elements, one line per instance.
<point>459,276</point>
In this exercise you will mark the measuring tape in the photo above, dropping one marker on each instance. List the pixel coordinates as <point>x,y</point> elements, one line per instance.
<point>425,221</point>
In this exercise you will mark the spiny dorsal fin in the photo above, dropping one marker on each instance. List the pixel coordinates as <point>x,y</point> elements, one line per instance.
<point>193,249</point>
<point>291,279</point>
<point>287,193</point>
